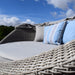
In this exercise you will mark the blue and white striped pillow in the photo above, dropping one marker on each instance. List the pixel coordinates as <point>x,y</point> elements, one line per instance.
<point>53,34</point>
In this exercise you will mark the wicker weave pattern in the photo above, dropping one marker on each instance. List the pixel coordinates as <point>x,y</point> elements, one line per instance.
<point>62,55</point>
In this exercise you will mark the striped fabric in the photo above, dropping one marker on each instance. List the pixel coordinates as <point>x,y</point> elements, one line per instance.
<point>53,34</point>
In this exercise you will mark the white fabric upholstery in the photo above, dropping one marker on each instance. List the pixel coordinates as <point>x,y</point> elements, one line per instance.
<point>21,50</point>
<point>39,34</point>
<point>3,59</point>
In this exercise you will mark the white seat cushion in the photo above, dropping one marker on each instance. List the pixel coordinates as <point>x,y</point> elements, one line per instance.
<point>21,50</point>
<point>4,59</point>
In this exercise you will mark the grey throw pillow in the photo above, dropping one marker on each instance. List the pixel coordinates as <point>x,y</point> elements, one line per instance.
<point>39,33</point>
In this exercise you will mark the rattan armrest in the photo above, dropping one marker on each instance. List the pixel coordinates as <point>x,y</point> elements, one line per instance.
<point>68,72</point>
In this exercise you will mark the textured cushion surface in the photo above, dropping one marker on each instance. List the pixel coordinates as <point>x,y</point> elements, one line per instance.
<point>20,50</point>
<point>4,59</point>
<point>39,33</point>
<point>53,34</point>
<point>69,33</point>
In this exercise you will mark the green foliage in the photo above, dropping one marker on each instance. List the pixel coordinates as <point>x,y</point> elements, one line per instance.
<point>4,30</point>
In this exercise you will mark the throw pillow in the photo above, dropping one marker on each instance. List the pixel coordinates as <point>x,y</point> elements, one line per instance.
<point>69,33</point>
<point>39,33</point>
<point>53,34</point>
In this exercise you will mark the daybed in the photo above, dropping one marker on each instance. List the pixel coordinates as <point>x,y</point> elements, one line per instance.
<point>29,56</point>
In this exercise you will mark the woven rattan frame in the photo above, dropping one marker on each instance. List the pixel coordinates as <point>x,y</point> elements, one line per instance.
<point>58,57</point>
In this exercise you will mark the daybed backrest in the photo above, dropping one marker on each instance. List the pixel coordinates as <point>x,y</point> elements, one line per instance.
<point>40,28</point>
<point>27,32</point>
<point>24,32</point>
